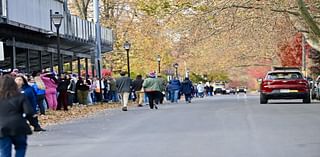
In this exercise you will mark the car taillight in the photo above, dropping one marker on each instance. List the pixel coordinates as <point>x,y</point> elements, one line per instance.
<point>266,83</point>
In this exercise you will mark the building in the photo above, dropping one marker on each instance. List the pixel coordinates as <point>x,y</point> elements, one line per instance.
<point>29,38</point>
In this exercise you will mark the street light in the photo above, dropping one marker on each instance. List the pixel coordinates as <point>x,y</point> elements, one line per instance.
<point>176,65</point>
<point>159,60</point>
<point>127,46</point>
<point>57,20</point>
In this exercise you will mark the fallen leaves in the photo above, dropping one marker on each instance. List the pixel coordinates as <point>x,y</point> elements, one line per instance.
<point>75,112</point>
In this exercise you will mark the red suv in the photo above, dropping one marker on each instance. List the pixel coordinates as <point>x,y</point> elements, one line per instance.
<point>284,83</point>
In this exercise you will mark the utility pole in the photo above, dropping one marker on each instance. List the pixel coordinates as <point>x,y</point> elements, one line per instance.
<point>98,42</point>
<point>304,58</point>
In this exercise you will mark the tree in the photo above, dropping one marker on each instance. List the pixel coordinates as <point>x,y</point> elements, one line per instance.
<point>209,36</point>
<point>290,53</point>
<point>81,6</point>
<point>310,20</point>
<point>315,58</point>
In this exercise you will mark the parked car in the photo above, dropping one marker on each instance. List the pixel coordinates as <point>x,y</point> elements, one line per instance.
<point>219,91</point>
<point>232,90</point>
<point>242,89</point>
<point>227,91</point>
<point>219,88</point>
<point>284,83</point>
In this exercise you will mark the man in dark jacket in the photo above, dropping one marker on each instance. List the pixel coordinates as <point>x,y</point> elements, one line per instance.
<point>186,89</point>
<point>63,92</point>
<point>137,87</point>
<point>174,89</point>
<point>123,84</point>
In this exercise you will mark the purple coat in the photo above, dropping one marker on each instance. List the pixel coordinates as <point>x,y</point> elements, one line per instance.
<point>51,86</point>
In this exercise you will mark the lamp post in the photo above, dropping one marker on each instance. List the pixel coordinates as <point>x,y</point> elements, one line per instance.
<point>176,65</point>
<point>159,60</point>
<point>57,20</point>
<point>127,46</point>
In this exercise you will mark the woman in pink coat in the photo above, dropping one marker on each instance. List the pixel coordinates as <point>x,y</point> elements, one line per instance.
<point>51,89</point>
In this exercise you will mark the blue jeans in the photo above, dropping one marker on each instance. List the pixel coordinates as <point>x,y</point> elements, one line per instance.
<point>174,94</point>
<point>146,99</point>
<point>113,95</point>
<point>201,94</point>
<point>19,142</point>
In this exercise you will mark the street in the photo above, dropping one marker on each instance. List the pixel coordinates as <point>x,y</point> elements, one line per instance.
<point>218,126</point>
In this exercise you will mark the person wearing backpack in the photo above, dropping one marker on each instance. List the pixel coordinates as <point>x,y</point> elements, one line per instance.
<point>137,87</point>
<point>40,89</point>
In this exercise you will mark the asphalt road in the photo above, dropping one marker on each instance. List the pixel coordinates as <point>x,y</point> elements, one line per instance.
<point>219,126</point>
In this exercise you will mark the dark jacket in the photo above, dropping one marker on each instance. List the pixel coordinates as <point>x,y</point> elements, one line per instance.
<point>137,84</point>
<point>31,95</point>
<point>12,122</point>
<point>174,85</point>
<point>123,84</point>
<point>63,85</point>
<point>186,87</point>
<point>113,86</point>
<point>83,87</point>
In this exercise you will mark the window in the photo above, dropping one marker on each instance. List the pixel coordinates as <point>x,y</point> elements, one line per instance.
<point>284,76</point>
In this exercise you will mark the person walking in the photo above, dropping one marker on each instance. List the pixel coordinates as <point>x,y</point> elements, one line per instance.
<point>137,87</point>
<point>163,91</point>
<point>123,84</point>
<point>30,93</point>
<point>174,89</point>
<point>152,87</point>
<point>13,125</point>
<point>186,89</point>
<point>201,90</point>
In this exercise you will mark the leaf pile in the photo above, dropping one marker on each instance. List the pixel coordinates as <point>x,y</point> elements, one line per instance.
<point>75,112</point>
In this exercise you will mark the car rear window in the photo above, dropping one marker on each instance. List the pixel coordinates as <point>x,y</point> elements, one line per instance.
<point>284,76</point>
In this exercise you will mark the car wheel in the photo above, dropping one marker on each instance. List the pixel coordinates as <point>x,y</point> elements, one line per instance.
<point>307,99</point>
<point>263,99</point>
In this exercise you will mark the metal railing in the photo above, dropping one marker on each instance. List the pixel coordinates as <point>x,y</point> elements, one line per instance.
<point>38,18</point>
<point>77,28</point>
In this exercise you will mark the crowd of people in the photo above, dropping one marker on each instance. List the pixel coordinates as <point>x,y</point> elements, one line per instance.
<point>24,97</point>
